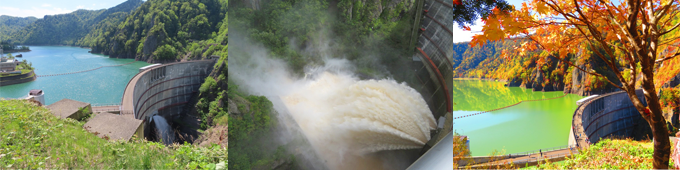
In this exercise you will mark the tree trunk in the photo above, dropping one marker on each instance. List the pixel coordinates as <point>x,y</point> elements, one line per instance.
<point>654,116</point>
<point>662,144</point>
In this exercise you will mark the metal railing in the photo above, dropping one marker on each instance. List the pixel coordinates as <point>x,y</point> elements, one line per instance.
<point>539,158</point>
<point>544,150</point>
<point>104,104</point>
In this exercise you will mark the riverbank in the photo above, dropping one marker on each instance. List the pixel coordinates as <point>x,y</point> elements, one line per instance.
<point>489,79</point>
<point>16,51</point>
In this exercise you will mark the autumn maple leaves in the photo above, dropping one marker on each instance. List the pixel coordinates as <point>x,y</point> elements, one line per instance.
<point>632,37</point>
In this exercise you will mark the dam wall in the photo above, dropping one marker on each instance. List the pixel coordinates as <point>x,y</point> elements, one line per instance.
<point>433,54</point>
<point>610,115</point>
<point>167,88</point>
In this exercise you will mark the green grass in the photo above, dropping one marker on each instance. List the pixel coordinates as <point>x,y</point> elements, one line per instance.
<point>31,137</point>
<point>610,154</point>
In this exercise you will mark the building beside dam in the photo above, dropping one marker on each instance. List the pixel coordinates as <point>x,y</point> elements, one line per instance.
<point>8,65</point>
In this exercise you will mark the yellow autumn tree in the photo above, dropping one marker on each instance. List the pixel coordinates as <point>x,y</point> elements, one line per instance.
<point>636,35</point>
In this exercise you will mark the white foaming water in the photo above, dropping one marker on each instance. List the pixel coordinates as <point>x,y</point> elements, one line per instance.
<point>350,123</point>
<point>163,129</point>
<point>346,119</point>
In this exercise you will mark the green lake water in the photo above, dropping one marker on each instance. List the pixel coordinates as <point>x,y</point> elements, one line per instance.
<point>101,86</point>
<point>524,127</point>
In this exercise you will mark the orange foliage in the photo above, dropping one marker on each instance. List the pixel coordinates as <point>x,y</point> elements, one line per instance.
<point>638,36</point>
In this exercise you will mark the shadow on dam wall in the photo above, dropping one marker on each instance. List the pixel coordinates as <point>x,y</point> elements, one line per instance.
<point>165,90</point>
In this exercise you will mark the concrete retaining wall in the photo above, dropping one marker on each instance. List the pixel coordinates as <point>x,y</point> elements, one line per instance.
<point>22,78</point>
<point>167,88</point>
<point>610,115</point>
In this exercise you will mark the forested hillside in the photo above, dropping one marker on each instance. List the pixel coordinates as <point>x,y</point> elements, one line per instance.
<point>368,32</point>
<point>212,99</point>
<point>9,25</point>
<point>69,29</point>
<point>10,47</point>
<point>541,74</point>
<point>162,30</point>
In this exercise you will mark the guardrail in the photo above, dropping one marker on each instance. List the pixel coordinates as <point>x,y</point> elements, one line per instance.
<point>503,160</point>
<point>104,104</point>
<point>544,157</point>
<point>544,150</point>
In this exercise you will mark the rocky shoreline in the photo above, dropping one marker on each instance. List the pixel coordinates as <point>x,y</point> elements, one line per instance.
<point>16,51</point>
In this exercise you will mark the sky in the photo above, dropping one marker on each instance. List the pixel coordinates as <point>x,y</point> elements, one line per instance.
<point>459,35</point>
<point>40,8</point>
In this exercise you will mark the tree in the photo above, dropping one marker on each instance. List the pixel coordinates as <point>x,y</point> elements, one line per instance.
<point>633,38</point>
<point>166,52</point>
<point>466,12</point>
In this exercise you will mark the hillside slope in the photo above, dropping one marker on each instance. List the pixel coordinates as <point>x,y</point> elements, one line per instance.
<point>68,29</point>
<point>163,30</point>
<point>525,71</point>
<point>9,25</point>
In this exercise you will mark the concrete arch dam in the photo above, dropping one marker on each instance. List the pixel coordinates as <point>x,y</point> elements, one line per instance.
<point>163,90</point>
<point>433,51</point>
<point>609,115</point>
<point>432,42</point>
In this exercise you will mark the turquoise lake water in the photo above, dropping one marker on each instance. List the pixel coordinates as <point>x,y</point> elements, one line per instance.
<point>524,127</point>
<point>101,86</point>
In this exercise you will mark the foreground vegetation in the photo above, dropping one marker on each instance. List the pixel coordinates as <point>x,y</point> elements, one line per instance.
<point>32,138</point>
<point>610,154</point>
<point>251,123</point>
<point>606,154</point>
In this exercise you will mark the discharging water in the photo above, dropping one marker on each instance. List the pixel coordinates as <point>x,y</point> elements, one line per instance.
<point>525,127</point>
<point>101,86</point>
<point>163,130</point>
<point>345,118</point>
